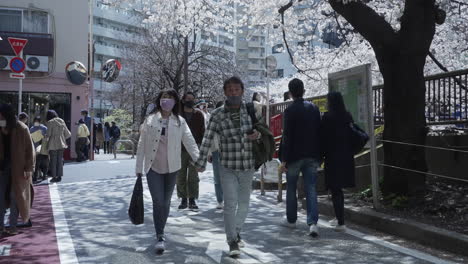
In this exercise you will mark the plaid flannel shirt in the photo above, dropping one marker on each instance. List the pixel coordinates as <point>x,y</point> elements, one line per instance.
<point>235,147</point>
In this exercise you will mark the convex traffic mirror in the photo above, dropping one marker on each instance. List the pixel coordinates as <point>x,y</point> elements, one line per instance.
<point>76,72</point>
<point>110,70</point>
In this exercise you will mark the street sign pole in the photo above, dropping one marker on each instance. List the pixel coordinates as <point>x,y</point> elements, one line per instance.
<point>20,93</point>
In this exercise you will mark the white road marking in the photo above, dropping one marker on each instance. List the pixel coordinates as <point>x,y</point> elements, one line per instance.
<point>64,241</point>
<point>5,250</point>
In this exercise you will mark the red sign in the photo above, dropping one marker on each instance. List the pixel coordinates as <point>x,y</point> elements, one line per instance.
<point>17,44</point>
<point>17,75</point>
<point>17,65</point>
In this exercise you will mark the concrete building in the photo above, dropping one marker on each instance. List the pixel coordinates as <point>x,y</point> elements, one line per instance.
<point>114,29</point>
<point>58,34</point>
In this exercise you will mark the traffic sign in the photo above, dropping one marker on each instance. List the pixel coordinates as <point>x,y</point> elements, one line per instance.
<point>17,44</point>
<point>17,75</point>
<point>17,65</point>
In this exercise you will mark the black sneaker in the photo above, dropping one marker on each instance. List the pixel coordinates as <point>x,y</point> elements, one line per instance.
<point>240,242</point>
<point>234,250</point>
<point>183,204</point>
<point>192,205</point>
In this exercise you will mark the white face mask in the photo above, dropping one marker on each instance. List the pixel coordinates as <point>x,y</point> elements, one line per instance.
<point>37,124</point>
<point>2,123</point>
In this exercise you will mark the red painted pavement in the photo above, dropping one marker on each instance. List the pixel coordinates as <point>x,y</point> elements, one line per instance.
<point>37,244</point>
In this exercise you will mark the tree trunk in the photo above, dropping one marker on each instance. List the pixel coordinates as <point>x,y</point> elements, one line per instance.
<point>404,112</point>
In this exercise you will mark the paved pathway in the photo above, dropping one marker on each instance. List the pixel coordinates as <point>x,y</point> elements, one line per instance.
<point>92,226</point>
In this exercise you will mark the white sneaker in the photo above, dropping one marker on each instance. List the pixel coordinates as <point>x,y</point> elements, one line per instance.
<point>333,222</point>
<point>160,246</point>
<point>286,223</point>
<point>340,228</point>
<point>220,205</point>
<point>313,231</point>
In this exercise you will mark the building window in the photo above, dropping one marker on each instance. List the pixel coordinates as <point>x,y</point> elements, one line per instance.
<point>10,20</point>
<point>277,49</point>
<point>280,73</point>
<point>31,21</point>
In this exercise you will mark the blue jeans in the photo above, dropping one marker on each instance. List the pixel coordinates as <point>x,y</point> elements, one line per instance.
<point>308,167</point>
<point>161,187</point>
<point>217,172</point>
<point>237,186</point>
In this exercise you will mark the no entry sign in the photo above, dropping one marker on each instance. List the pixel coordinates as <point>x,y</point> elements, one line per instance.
<point>17,44</point>
<point>17,65</point>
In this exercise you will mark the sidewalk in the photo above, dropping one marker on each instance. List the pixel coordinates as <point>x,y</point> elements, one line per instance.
<point>37,244</point>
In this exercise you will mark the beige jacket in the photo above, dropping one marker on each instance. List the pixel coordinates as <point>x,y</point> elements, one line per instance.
<point>57,134</point>
<point>22,157</point>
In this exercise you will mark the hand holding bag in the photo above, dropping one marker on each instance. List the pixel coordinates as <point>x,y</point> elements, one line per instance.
<point>136,209</point>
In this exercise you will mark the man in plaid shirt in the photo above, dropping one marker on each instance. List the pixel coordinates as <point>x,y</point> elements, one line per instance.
<point>234,128</point>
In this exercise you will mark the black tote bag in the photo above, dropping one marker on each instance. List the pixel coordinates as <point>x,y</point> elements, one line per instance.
<point>136,210</point>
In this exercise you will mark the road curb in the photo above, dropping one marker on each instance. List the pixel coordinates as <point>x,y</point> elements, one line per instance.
<point>421,233</point>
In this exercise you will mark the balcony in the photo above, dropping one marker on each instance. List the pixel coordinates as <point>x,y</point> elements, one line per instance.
<point>117,16</point>
<point>108,51</point>
<point>256,44</point>
<point>115,34</point>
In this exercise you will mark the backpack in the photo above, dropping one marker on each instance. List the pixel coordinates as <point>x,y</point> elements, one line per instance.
<point>359,138</point>
<point>264,148</point>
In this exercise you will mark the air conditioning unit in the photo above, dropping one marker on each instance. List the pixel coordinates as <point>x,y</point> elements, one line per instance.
<point>5,62</point>
<point>33,63</point>
<point>37,63</point>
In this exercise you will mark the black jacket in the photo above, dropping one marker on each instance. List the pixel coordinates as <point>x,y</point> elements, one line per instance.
<point>301,132</point>
<point>114,132</point>
<point>337,150</point>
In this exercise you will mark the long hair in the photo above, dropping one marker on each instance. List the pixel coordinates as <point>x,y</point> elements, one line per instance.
<point>99,128</point>
<point>106,125</point>
<point>335,103</point>
<point>254,97</point>
<point>175,109</point>
<point>8,113</point>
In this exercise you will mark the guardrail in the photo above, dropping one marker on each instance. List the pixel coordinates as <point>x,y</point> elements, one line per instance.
<point>120,141</point>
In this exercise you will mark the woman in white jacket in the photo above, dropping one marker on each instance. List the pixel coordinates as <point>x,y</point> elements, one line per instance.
<point>159,156</point>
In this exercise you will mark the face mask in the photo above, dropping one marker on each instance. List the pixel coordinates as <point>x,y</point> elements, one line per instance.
<point>202,107</point>
<point>189,104</point>
<point>37,124</point>
<point>2,123</point>
<point>167,104</point>
<point>234,100</point>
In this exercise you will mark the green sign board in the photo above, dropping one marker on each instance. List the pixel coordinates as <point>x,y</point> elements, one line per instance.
<point>354,85</point>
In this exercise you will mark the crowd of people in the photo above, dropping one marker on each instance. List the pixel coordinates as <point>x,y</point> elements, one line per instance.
<point>177,140</point>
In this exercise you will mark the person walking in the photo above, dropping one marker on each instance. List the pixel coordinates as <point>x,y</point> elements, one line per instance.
<point>159,156</point>
<point>38,132</point>
<point>338,153</point>
<point>202,106</point>
<point>114,134</point>
<point>87,120</point>
<point>300,152</point>
<point>187,178</point>
<point>82,141</point>
<point>99,138</point>
<point>16,169</point>
<point>215,160</point>
<point>56,136</point>
<point>256,100</point>
<point>107,129</point>
<point>233,124</point>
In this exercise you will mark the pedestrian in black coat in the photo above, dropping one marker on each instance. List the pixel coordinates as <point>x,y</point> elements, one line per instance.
<point>337,152</point>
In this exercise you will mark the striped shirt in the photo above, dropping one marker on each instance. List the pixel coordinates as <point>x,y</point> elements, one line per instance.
<point>235,147</point>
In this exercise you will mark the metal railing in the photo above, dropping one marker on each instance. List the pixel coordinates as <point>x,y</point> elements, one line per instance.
<point>120,141</point>
<point>446,98</point>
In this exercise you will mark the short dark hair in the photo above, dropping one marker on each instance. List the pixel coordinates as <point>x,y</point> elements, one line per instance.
<point>23,115</point>
<point>233,80</point>
<point>7,111</point>
<point>38,119</point>
<point>113,123</point>
<point>188,93</point>
<point>84,111</point>
<point>296,88</point>
<point>51,114</point>
<point>81,121</point>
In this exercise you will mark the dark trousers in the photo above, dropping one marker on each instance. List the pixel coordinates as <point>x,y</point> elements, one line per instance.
<point>106,148</point>
<point>42,165</point>
<point>81,148</point>
<point>161,187</point>
<point>56,163</point>
<point>338,204</point>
